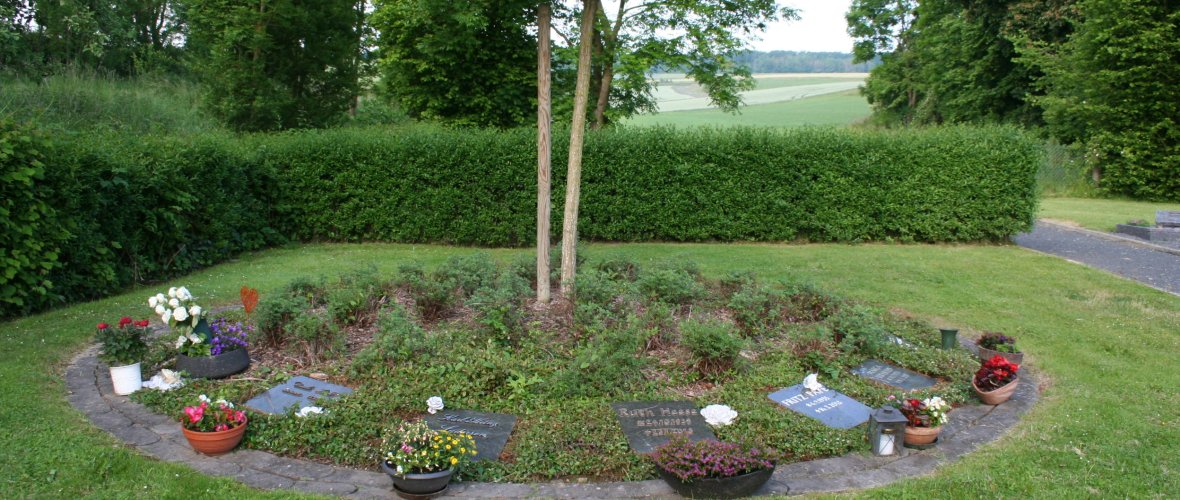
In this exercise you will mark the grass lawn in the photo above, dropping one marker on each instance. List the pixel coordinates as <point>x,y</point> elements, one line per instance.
<point>1100,214</point>
<point>1107,424</point>
<point>842,108</point>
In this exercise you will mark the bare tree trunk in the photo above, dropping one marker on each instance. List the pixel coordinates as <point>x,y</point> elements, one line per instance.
<point>608,74</point>
<point>608,48</point>
<point>573,178</point>
<point>544,119</point>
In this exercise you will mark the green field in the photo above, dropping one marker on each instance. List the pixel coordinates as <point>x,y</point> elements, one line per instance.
<point>843,108</point>
<point>774,83</point>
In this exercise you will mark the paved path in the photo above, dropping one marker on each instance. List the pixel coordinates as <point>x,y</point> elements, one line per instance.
<point>1151,265</point>
<point>89,385</point>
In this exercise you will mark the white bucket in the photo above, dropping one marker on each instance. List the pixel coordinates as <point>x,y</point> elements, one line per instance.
<point>126,379</point>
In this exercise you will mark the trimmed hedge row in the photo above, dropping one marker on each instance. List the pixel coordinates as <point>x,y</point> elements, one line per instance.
<point>139,209</point>
<point>465,187</point>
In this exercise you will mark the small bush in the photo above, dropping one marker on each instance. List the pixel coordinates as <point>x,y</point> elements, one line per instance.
<point>432,298</point>
<point>755,307</point>
<point>673,286</point>
<point>314,335</point>
<point>274,314</point>
<point>397,340</point>
<point>607,365</point>
<point>858,329</point>
<point>714,344</point>
<point>467,273</point>
<point>499,307</point>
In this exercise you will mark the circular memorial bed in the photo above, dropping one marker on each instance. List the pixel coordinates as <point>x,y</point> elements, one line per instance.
<point>573,391</point>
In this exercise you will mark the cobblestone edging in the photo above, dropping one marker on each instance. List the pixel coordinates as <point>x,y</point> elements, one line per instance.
<point>89,385</point>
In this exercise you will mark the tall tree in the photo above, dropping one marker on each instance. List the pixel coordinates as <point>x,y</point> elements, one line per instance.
<point>276,64</point>
<point>573,177</point>
<point>462,62</point>
<point>1112,87</point>
<point>544,143</point>
<point>701,36</point>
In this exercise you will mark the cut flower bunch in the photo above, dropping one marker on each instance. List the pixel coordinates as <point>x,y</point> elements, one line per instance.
<point>415,448</point>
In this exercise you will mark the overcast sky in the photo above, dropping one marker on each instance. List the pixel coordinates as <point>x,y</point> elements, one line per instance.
<point>821,28</point>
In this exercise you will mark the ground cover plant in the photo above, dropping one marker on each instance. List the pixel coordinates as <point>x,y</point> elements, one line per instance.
<point>1079,328</point>
<point>469,332</point>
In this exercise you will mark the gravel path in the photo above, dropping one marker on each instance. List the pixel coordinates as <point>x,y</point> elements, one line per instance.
<point>1141,262</point>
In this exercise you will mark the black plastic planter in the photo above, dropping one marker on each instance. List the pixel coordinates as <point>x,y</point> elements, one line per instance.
<point>739,486</point>
<point>219,366</point>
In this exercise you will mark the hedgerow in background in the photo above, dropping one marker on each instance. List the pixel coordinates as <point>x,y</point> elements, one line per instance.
<point>30,236</point>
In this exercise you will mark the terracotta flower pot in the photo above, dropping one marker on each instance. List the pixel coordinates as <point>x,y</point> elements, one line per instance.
<point>921,435</point>
<point>997,396</point>
<point>1012,357</point>
<point>216,442</point>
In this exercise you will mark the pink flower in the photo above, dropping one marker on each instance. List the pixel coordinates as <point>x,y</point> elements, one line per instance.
<point>221,427</point>
<point>195,413</point>
<point>240,416</point>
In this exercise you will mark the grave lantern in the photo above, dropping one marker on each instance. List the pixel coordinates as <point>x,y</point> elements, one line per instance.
<point>949,337</point>
<point>886,431</point>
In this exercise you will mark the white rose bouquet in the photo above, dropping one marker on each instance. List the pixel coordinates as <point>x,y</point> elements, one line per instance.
<point>179,310</point>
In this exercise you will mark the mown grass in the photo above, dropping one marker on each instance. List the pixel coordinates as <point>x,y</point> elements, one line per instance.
<point>841,108</point>
<point>1107,423</point>
<point>1100,214</point>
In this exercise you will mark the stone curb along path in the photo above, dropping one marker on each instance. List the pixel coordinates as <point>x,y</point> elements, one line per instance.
<point>89,385</point>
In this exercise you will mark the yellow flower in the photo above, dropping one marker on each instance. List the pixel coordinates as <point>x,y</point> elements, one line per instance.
<point>462,450</point>
<point>454,460</point>
<point>448,446</point>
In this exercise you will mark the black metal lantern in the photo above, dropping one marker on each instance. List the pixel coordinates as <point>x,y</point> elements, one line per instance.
<point>886,431</point>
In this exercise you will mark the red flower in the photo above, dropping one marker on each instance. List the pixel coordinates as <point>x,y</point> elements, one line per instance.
<point>195,413</point>
<point>124,321</point>
<point>221,427</point>
<point>142,324</point>
<point>103,326</point>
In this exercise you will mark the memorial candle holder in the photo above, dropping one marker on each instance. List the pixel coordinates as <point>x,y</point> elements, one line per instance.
<point>886,431</point>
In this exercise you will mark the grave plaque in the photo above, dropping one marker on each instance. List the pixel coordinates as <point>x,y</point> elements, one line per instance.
<point>828,406</point>
<point>893,376</point>
<point>299,392</point>
<point>490,430</point>
<point>1166,218</point>
<point>649,424</point>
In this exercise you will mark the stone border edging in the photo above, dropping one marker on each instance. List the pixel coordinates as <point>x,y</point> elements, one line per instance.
<point>89,385</point>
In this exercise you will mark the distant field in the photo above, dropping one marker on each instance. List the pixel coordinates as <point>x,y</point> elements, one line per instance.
<point>842,108</point>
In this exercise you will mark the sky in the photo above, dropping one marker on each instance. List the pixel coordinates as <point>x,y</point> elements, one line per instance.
<point>821,28</point>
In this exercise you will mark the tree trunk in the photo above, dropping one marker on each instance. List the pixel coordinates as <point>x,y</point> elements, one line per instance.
<point>544,119</point>
<point>608,74</point>
<point>573,178</point>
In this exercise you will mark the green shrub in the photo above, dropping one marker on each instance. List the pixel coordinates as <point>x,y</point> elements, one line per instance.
<point>432,298</point>
<point>714,344</point>
<point>498,308</point>
<point>313,335</point>
<point>397,340</point>
<point>607,365</point>
<point>30,236</point>
<point>142,207</point>
<point>755,307</point>
<point>467,273</point>
<point>858,329</point>
<point>674,286</point>
<point>355,296</point>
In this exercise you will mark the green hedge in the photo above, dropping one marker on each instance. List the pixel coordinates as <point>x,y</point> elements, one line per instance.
<point>477,187</point>
<point>133,209</point>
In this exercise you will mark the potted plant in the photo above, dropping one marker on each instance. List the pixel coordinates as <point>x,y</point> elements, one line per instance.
<point>213,427</point>
<point>203,350</point>
<point>122,349</point>
<point>421,461</point>
<point>996,380</point>
<point>995,343</point>
<point>713,469</point>
<point>924,419</point>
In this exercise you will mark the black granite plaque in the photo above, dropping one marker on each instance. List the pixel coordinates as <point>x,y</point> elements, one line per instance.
<point>828,406</point>
<point>299,392</point>
<point>893,376</point>
<point>490,430</point>
<point>648,424</point>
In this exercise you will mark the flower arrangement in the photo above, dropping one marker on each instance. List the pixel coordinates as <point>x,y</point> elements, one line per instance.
<point>415,448</point>
<point>123,345</point>
<point>689,461</point>
<point>995,373</point>
<point>929,412</point>
<point>212,416</point>
<point>998,342</point>
<point>179,310</point>
<point>226,336</point>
